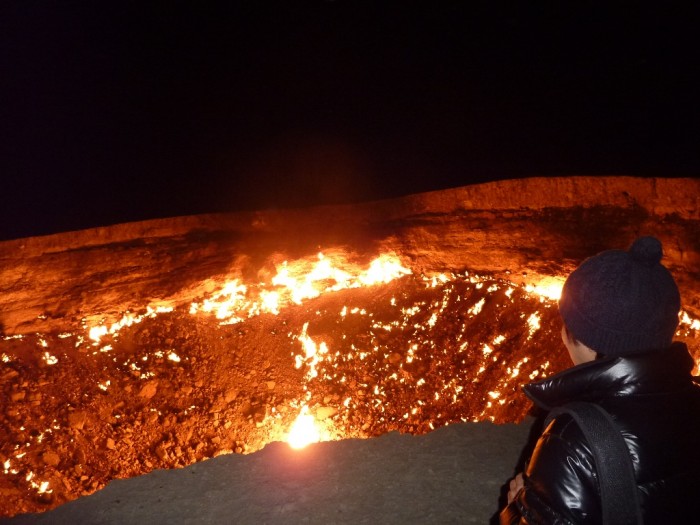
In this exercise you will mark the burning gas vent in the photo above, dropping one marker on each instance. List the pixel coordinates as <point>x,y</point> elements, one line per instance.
<point>161,355</point>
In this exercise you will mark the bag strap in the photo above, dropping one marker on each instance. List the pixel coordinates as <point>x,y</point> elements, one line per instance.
<point>618,487</point>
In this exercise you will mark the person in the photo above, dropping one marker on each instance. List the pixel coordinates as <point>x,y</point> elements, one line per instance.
<point>620,313</point>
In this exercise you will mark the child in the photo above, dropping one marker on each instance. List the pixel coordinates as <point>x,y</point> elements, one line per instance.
<point>620,312</point>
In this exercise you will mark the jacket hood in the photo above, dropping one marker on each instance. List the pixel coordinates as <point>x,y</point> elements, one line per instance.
<point>648,373</point>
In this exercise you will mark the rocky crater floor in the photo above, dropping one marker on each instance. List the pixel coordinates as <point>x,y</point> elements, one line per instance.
<point>177,387</point>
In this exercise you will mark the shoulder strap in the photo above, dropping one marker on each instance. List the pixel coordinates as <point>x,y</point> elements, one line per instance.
<point>618,487</point>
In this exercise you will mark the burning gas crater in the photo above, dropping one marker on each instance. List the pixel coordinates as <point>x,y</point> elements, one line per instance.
<point>326,349</point>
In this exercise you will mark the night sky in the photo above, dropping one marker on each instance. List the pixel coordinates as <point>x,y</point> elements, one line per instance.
<point>119,111</point>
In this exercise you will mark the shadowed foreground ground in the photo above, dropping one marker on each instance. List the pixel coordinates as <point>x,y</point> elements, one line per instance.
<point>452,475</point>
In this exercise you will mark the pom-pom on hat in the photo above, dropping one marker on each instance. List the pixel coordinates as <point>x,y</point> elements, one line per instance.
<point>622,302</point>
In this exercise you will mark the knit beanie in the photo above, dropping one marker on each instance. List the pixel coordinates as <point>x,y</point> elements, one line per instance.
<point>622,302</point>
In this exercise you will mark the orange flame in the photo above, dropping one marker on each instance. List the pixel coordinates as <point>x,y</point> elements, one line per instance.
<point>304,430</point>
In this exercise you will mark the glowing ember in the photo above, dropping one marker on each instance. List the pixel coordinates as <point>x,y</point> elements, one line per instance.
<point>685,319</point>
<point>97,332</point>
<point>534,322</point>
<point>313,352</point>
<point>49,359</point>
<point>476,309</point>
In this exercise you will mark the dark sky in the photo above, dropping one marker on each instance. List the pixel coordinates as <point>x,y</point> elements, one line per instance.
<point>119,111</point>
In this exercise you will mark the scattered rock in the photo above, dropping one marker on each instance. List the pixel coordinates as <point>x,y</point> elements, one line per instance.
<point>183,435</point>
<point>51,458</point>
<point>149,389</point>
<point>106,414</point>
<point>80,457</point>
<point>45,497</point>
<point>325,412</point>
<point>11,374</point>
<point>230,395</point>
<point>17,396</point>
<point>162,452</point>
<point>77,420</point>
<point>109,443</point>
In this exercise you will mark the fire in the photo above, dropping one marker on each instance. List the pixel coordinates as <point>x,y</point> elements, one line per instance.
<point>534,324</point>
<point>304,430</point>
<point>685,319</point>
<point>548,288</point>
<point>301,283</point>
<point>49,359</point>
<point>313,352</point>
<point>96,333</point>
<point>294,283</point>
<point>223,302</point>
<point>384,269</point>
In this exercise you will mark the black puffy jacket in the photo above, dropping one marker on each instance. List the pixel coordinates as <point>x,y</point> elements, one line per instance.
<point>655,404</point>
